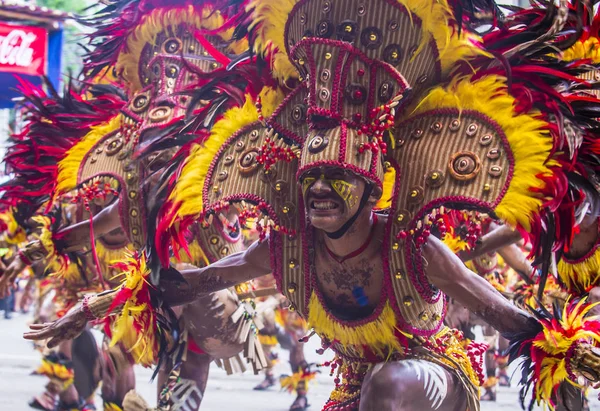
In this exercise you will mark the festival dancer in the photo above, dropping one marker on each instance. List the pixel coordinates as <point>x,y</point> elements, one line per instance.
<point>54,123</point>
<point>372,285</point>
<point>285,328</point>
<point>99,174</point>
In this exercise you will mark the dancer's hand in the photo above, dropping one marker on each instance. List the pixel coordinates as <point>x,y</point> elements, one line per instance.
<point>10,274</point>
<point>63,329</point>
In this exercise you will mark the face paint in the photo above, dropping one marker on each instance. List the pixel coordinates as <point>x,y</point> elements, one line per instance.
<point>306,183</point>
<point>344,190</point>
<point>341,187</point>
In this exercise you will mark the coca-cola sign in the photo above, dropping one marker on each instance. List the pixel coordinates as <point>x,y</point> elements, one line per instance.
<point>23,49</point>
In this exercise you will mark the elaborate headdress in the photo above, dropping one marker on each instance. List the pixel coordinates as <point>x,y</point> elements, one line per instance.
<point>402,85</point>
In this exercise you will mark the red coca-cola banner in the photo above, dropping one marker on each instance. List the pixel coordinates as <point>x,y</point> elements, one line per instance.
<point>23,49</point>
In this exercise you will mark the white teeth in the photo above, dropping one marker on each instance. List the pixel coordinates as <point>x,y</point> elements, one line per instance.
<point>324,205</point>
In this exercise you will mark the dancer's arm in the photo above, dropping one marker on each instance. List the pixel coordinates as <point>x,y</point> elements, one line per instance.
<point>498,238</point>
<point>77,236</point>
<point>447,272</point>
<point>227,272</point>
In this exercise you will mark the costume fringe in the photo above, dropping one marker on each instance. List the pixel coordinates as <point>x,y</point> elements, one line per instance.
<point>580,276</point>
<point>290,383</point>
<point>378,335</point>
<point>490,382</point>
<point>136,324</point>
<point>528,136</point>
<point>57,370</point>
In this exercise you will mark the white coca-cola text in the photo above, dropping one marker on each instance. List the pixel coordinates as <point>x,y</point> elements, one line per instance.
<point>15,48</point>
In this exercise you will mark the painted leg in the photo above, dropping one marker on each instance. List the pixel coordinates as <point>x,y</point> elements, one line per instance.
<point>188,394</point>
<point>502,362</point>
<point>489,386</point>
<point>569,398</point>
<point>412,385</point>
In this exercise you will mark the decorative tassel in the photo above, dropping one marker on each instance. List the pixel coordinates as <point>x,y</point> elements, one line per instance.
<point>557,349</point>
<point>136,324</point>
<point>290,383</point>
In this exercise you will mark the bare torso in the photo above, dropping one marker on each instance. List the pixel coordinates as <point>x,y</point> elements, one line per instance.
<point>341,283</point>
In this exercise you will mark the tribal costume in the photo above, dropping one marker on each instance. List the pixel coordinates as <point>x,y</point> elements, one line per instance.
<point>402,87</point>
<point>395,99</point>
<point>158,52</point>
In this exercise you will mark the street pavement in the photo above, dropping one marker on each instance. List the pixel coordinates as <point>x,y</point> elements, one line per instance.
<point>224,393</point>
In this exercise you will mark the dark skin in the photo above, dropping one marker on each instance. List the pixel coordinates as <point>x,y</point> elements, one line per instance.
<point>444,270</point>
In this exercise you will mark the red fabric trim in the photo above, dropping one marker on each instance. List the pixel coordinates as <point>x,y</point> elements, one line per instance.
<point>192,346</point>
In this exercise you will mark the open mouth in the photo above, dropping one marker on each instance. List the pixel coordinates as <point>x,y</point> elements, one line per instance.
<point>323,205</point>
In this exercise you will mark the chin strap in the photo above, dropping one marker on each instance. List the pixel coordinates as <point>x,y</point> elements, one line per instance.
<point>363,201</point>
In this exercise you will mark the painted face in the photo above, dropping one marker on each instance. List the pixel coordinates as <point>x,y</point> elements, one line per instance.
<point>331,197</point>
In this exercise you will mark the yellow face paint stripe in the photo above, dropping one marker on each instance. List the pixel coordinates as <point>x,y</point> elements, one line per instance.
<point>341,187</point>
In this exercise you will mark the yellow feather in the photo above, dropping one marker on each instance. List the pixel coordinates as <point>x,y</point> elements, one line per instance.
<point>389,180</point>
<point>107,256</point>
<point>165,19</point>
<point>378,335</point>
<point>527,135</point>
<point>270,18</point>
<point>454,243</point>
<point>580,275</point>
<point>188,189</point>
<point>142,344</point>
<point>588,49</point>
<point>68,167</point>
<point>269,21</point>
<point>269,340</point>
<point>197,256</point>
<point>14,233</point>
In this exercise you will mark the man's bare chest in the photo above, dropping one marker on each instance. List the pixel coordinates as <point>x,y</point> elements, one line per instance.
<point>353,284</point>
